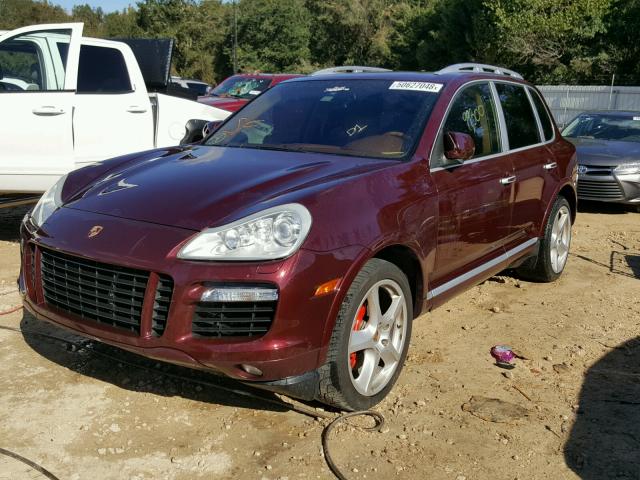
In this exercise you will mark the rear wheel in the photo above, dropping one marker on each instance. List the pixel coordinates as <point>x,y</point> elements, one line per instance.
<point>554,246</point>
<point>370,339</point>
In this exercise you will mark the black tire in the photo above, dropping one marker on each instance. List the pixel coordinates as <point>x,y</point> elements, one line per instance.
<point>540,269</point>
<point>336,386</point>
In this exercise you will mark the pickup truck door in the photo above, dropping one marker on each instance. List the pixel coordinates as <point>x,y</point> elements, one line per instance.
<point>38,71</point>
<point>112,108</point>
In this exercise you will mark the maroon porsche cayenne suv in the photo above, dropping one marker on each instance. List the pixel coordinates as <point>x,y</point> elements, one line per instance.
<point>293,248</point>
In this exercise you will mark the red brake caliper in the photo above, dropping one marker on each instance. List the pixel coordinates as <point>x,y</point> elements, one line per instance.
<point>356,326</point>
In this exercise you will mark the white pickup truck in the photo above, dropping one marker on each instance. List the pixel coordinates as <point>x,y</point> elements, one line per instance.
<point>67,101</point>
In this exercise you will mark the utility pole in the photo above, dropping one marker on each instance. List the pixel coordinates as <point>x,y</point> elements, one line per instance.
<point>613,81</point>
<point>235,36</point>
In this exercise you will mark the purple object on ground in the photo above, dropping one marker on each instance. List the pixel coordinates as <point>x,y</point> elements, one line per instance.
<point>503,355</point>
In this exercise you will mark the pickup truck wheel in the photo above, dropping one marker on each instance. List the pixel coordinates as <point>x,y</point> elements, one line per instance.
<point>554,246</point>
<point>370,339</point>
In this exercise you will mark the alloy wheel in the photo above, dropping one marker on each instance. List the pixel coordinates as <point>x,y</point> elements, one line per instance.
<point>560,239</point>
<point>377,337</point>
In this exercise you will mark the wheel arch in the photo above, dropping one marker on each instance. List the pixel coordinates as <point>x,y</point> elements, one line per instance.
<point>406,260</point>
<point>568,192</point>
<point>402,256</point>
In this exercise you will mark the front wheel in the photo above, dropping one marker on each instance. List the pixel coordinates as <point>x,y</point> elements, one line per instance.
<point>554,246</point>
<point>370,339</point>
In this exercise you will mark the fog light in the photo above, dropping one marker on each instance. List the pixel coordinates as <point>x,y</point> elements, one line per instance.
<point>239,294</point>
<point>251,370</point>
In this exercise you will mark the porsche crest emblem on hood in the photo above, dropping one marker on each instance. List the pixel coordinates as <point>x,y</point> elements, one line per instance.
<point>95,231</point>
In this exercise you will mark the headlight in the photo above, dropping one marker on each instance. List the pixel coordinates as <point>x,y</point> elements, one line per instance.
<point>48,203</point>
<point>628,168</point>
<point>274,233</point>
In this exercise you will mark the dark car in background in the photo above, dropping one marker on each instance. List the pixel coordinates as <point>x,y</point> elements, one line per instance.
<point>236,91</point>
<point>608,147</point>
<point>293,248</point>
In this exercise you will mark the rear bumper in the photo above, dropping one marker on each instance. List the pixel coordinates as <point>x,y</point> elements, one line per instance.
<point>293,345</point>
<point>610,188</point>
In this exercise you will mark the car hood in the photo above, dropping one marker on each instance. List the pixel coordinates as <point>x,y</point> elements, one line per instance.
<point>226,103</point>
<point>605,152</point>
<point>198,187</point>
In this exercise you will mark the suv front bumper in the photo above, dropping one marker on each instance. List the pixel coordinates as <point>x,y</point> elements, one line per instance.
<point>609,187</point>
<point>294,345</point>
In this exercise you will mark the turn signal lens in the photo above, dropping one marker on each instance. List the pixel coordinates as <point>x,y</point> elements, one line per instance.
<point>328,287</point>
<point>238,294</point>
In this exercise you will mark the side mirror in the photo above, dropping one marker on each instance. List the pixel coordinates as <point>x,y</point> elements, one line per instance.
<point>458,146</point>
<point>210,127</point>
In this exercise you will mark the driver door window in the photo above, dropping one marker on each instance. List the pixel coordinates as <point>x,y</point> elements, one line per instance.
<point>473,112</point>
<point>34,61</point>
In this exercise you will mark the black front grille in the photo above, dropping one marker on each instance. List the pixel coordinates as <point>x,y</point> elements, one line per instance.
<point>608,190</point>
<point>598,170</point>
<point>232,319</point>
<point>161,305</point>
<point>104,293</point>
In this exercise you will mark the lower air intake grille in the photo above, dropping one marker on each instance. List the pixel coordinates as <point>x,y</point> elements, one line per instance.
<point>232,319</point>
<point>161,305</point>
<point>96,291</point>
<point>606,190</point>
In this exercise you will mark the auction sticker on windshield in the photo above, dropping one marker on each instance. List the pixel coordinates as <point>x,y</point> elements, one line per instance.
<point>417,86</point>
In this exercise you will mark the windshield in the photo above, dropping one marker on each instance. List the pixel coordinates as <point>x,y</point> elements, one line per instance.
<point>242,87</point>
<point>366,118</point>
<point>605,127</point>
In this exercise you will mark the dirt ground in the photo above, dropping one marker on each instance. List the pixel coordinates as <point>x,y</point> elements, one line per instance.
<point>569,410</point>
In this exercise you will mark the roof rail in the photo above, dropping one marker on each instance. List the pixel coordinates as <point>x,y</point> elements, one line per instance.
<point>350,69</point>
<point>479,68</point>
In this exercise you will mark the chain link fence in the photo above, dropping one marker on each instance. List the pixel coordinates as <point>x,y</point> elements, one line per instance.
<point>567,101</point>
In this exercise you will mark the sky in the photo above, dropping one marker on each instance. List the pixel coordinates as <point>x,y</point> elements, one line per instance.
<point>107,5</point>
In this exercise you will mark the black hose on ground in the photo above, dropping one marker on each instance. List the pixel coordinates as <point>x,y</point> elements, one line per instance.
<point>379,419</point>
<point>29,463</point>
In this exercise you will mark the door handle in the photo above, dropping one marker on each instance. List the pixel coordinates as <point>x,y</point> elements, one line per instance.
<point>550,166</point>
<point>48,111</point>
<point>136,109</point>
<point>507,180</point>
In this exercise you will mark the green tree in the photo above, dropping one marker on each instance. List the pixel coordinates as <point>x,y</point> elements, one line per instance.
<point>20,13</point>
<point>122,24</point>
<point>93,19</point>
<point>348,32</point>
<point>453,31</point>
<point>551,40</point>
<point>620,42</point>
<point>273,35</point>
<point>196,28</point>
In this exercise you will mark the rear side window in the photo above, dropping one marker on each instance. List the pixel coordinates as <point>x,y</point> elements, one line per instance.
<point>473,112</point>
<point>543,115</point>
<point>102,70</point>
<point>522,129</point>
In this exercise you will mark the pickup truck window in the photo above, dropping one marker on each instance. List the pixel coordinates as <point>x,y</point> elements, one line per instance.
<point>473,112</point>
<point>522,127</point>
<point>34,61</point>
<point>102,70</point>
